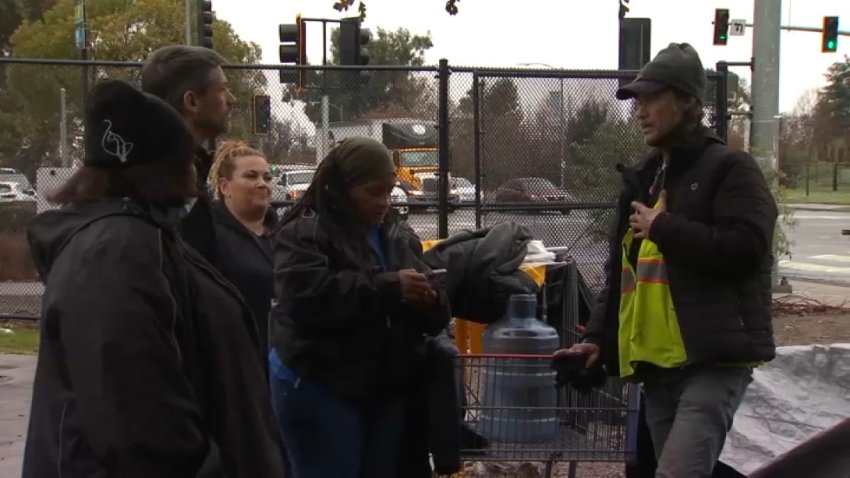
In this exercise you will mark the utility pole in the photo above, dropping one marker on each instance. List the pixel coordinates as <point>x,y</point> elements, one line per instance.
<point>767,15</point>
<point>323,144</point>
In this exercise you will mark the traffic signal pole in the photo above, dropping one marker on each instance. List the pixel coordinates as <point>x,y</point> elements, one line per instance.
<point>792,28</point>
<point>357,57</point>
<point>325,99</point>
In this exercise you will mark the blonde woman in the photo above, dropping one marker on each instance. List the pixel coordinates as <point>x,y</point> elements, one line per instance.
<point>245,226</point>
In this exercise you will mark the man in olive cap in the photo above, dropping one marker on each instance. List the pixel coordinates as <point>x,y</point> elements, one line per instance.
<point>686,307</point>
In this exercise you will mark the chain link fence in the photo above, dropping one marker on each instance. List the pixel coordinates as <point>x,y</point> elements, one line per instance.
<point>474,146</point>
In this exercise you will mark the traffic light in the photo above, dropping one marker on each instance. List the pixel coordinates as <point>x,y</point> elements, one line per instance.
<point>261,114</point>
<point>721,26</point>
<point>352,50</point>
<point>352,42</point>
<point>635,37</point>
<point>829,43</point>
<point>293,49</point>
<point>205,22</point>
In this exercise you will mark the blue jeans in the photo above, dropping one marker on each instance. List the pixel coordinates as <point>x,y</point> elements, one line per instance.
<point>329,437</point>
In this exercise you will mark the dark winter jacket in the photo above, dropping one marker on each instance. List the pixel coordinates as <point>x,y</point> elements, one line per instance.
<point>432,429</point>
<point>148,362</point>
<point>197,227</point>
<point>717,240</point>
<point>339,320</point>
<point>246,260</point>
<point>483,270</point>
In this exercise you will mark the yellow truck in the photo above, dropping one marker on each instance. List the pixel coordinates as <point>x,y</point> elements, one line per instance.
<point>413,143</point>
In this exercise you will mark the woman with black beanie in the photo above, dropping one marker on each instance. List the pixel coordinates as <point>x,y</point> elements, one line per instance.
<point>148,362</point>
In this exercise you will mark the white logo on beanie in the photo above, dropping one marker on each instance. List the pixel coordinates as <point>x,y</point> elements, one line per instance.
<point>114,145</point>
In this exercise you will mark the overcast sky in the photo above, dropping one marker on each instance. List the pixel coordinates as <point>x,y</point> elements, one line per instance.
<point>562,33</point>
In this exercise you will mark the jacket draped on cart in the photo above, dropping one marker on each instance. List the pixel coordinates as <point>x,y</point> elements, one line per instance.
<point>483,270</point>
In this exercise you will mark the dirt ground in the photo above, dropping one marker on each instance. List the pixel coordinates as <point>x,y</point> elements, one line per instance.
<point>812,329</point>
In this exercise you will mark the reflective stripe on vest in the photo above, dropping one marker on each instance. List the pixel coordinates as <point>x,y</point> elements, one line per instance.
<point>649,328</point>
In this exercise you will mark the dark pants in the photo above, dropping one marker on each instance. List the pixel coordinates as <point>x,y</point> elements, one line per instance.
<point>433,414</point>
<point>645,462</point>
<point>329,437</point>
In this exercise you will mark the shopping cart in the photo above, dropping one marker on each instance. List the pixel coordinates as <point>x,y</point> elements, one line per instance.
<point>512,404</point>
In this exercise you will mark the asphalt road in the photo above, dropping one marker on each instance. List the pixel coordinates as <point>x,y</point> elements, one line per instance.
<point>819,251</point>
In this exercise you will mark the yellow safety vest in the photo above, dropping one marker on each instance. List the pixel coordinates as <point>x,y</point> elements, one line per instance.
<point>649,328</point>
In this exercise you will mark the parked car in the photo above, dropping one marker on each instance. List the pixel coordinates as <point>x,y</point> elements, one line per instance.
<point>398,198</point>
<point>11,175</point>
<point>465,189</point>
<point>428,196</point>
<point>12,191</point>
<point>290,185</point>
<point>531,190</point>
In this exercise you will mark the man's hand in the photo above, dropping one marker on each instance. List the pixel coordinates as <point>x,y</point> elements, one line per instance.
<point>641,221</point>
<point>589,351</point>
<point>416,289</point>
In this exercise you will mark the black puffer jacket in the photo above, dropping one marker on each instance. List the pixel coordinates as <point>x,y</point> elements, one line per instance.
<point>148,362</point>
<point>717,240</point>
<point>339,320</point>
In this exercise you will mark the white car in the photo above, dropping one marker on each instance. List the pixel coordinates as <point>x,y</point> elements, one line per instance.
<point>397,196</point>
<point>290,185</point>
<point>13,191</point>
<point>464,189</point>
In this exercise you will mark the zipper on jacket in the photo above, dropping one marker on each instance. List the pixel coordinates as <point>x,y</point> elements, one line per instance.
<point>738,311</point>
<point>61,441</point>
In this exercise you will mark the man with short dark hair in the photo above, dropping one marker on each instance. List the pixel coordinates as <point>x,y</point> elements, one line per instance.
<point>191,79</point>
<point>686,310</point>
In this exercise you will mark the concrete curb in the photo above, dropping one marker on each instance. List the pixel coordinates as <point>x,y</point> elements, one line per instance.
<point>819,207</point>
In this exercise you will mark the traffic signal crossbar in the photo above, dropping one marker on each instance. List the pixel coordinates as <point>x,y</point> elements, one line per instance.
<point>829,31</point>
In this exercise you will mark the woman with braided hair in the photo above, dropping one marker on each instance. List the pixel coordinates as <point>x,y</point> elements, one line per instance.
<point>355,305</point>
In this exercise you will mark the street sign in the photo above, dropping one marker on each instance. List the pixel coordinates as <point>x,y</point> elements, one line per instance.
<point>737,28</point>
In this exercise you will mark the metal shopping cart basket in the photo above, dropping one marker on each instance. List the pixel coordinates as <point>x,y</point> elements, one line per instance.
<point>512,403</point>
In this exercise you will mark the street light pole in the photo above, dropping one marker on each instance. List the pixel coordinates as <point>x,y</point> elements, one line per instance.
<point>563,125</point>
<point>563,138</point>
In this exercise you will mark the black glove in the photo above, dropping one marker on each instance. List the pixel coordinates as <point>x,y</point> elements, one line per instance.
<point>571,369</point>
